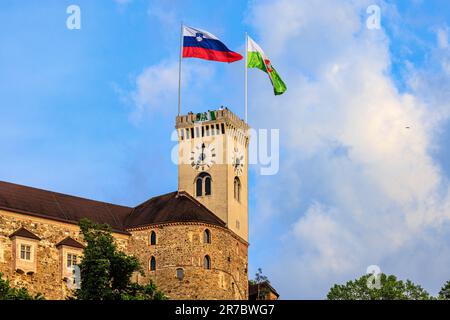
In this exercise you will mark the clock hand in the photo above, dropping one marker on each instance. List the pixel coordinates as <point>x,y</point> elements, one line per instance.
<point>203,152</point>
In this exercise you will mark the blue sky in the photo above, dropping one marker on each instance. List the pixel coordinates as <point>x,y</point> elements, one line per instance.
<point>89,112</point>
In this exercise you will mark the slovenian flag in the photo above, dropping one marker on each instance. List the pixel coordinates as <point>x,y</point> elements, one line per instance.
<point>204,45</point>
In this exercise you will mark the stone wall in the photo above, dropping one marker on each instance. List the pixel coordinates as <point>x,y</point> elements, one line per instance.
<point>48,278</point>
<point>178,246</point>
<point>182,246</point>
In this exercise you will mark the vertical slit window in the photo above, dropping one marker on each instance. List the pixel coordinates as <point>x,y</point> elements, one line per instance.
<point>153,238</point>
<point>198,187</point>
<point>152,264</point>
<point>207,186</point>
<point>207,262</point>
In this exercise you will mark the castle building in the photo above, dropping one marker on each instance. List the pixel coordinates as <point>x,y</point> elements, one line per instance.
<point>192,243</point>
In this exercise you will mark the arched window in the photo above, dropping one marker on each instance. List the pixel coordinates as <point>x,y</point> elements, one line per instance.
<point>207,262</point>
<point>199,187</point>
<point>203,179</point>
<point>180,273</point>
<point>237,189</point>
<point>152,264</point>
<point>207,236</point>
<point>153,238</point>
<point>207,186</point>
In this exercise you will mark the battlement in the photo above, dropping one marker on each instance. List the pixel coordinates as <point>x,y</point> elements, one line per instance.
<point>215,116</point>
<point>212,123</point>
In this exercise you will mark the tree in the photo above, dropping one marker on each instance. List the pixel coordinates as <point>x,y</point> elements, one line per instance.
<point>259,281</point>
<point>444,294</point>
<point>389,289</point>
<point>106,272</point>
<point>9,293</point>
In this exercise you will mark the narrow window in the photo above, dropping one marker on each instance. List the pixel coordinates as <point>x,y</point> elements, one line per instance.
<point>212,130</point>
<point>207,262</point>
<point>180,273</point>
<point>187,133</point>
<point>192,133</point>
<point>25,252</point>
<point>198,187</point>
<point>208,186</point>
<point>207,131</point>
<point>207,236</point>
<point>217,128</point>
<point>223,128</point>
<point>182,134</point>
<point>237,189</point>
<point>153,238</point>
<point>152,264</point>
<point>203,131</point>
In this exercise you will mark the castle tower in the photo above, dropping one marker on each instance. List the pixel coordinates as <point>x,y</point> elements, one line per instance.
<point>213,166</point>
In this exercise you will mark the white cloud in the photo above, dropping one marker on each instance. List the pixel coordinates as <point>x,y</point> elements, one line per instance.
<point>156,88</point>
<point>370,191</point>
<point>442,35</point>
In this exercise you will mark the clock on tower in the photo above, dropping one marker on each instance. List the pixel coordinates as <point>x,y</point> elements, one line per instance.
<point>213,148</point>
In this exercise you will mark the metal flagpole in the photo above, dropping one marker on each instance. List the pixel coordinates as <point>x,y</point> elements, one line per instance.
<point>179,70</point>
<point>246,77</point>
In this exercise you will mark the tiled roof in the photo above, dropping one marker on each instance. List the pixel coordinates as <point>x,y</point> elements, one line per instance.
<point>57,206</point>
<point>24,233</point>
<point>171,207</point>
<point>70,243</point>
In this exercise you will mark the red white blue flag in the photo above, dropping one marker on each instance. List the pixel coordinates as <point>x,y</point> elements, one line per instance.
<point>204,45</point>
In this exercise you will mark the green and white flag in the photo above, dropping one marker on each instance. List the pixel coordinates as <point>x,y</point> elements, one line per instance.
<point>256,58</point>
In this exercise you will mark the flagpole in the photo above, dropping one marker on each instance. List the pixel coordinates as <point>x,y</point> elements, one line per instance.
<point>246,77</point>
<point>179,70</point>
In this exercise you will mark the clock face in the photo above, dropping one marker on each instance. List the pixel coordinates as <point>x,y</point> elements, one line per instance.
<point>238,162</point>
<point>203,157</point>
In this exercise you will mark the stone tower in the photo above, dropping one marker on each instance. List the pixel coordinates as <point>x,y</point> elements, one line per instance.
<point>213,166</point>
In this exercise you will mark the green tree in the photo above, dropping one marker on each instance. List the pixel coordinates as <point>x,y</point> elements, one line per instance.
<point>444,294</point>
<point>259,281</point>
<point>9,293</point>
<point>106,271</point>
<point>389,288</point>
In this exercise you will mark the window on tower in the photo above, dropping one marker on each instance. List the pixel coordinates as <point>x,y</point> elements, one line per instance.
<point>180,273</point>
<point>153,238</point>
<point>203,185</point>
<point>152,264</point>
<point>182,134</point>
<point>199,187</point>
<point>237,189</point>
<point>207,262</point>
<point>207,236</point>
<point>207,186</point>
